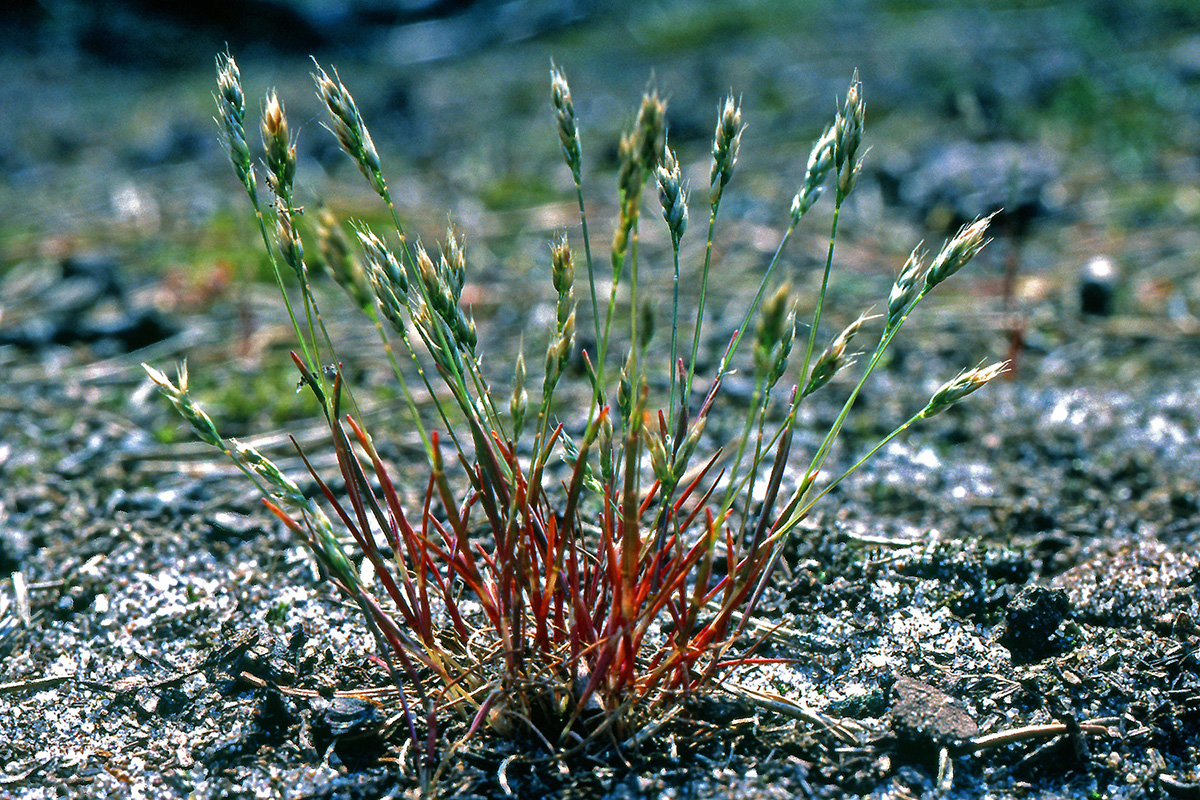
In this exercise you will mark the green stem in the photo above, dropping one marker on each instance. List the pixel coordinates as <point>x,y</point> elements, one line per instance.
<point>708,247</point>
<point>587,249</point>
<point>819,457</point>
<point>674,337</point>
<point>812,331</point>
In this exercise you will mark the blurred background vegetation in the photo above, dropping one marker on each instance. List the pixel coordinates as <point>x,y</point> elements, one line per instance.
<point>1080,119</point>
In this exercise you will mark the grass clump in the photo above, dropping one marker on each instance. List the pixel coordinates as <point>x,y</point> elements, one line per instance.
<point>575,586</point>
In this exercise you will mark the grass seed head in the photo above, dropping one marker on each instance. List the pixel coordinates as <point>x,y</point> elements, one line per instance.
<point>291,249</point>
<point>438,295</point>
<point>672,195</point>
<point>519,402</point>
<point>960,386</point>
<point>348,126</point>
<point>347,271</point>
<point>834,358</point>
<point>771,326</point>
<point>392,306</point>
<point>630,181</point>
<point>659,463</point>
<point>380,259</point>
<point>564,117</point>
<point>726,140</point>
<point>848,130</point>
<point>959,250</point>
<point>651,131</point>
<point>782,351</point>
<point>562,274</point>
<point>558,353</point>
<point>905,289</point>
<point>280,153</point>
<point>562,267</point>
<point>455,264</point>
<point>231,110</point>
<point>820,161</point>
<point>177,394</point>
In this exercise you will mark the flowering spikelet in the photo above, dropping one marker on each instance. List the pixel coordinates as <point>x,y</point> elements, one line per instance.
<point>672,194</point>
<point>771,333</point>
<point>564,118</point>
<point>519,401</point>
<point>726,140</point>
<point>177,393</point>
<point>388,279</point>
<point>347,125</point>
<point>231,110</point>
<point>834,358</point>
<point>848,128</point>
<point>562,275</point>
<point>651,131</point>
<point>905,289</point>
<point>960,386</point>
<point>454,265</point>
<point>958,251</point>
<point>280,153</point>
<point>347,271</point>
<point>288,239</point>
<point>820,161</point>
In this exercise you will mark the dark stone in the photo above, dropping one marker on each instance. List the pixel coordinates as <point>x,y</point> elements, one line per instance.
<point>1097,285</point>
<point>233,528</point>
<point>1031,624</point>
<point>926,719</point>
<point>101,272</point>
<point>952,184</point>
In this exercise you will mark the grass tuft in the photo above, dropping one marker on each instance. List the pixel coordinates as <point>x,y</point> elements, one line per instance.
<point>576,586</point>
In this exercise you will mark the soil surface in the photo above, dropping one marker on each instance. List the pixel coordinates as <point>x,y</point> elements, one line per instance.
<point>1003,603</point>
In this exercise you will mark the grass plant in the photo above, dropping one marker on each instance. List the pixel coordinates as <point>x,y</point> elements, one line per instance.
<point>574,586</point>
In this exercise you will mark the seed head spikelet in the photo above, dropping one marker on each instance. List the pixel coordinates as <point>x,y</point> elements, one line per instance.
<point>558,353</point>
<point>564,117</point>
<point>834,358</point>
<point>455,265</point>
<point>231,111</point>
<point>280,153</point>
<point>958,251</point>
<point>436,290</point>
<point>651,129</point>
<point>848,129</point>
<point>960,386</point>
<point>519,402</point>
<point>177,393</point>
<point>820,161</point>
<point>907,285</point>
<point>380,258</point>
<point>639,153</point>
<point>336,258</point>
<point>393,307</point>
<point>770,331</point>
<point>562,275</point>
<point>347,125</point>
<point>726,140</point>
<point>782,350</point>
<point>630,191</point>
<point>672,194</point>
<point>659,462</point>
<point>291,249</point>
